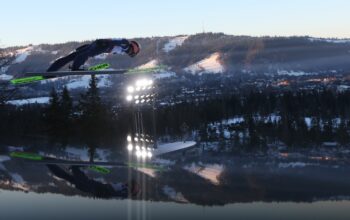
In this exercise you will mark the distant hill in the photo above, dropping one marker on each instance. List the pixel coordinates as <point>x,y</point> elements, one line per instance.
<point>202,53</point>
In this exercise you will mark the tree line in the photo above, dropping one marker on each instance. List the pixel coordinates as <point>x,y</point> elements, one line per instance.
<point>91,120</point>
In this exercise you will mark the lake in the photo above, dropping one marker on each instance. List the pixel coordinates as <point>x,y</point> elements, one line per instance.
<point>193,186</point>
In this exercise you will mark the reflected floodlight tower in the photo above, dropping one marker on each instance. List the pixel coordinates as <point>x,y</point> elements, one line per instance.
<point>140,94</point>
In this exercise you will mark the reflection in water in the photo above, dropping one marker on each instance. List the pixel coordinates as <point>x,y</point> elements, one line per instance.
<point>206,189</point>
<point>209,172</point>
<point>97,189</point>
<point>51,206</point>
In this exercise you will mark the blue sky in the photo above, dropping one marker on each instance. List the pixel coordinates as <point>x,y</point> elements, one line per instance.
<point>38,21</point>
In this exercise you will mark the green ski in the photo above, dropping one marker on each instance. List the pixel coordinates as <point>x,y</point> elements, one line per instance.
<point>100,169</point>
<point>32,79</point>
<point>24,155</point>
<point>26,80</point>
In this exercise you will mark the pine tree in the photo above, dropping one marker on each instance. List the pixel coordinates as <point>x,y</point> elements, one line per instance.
<point>66,113</point>
<point>92,112</point>
<point>52,115</point>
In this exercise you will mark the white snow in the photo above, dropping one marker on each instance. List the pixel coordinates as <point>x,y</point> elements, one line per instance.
<point>17,178</point>
<point>78,153</point>
<point>335,41</point>
<point>308,122</point>
<point>171,147</point>
<point>173,43</point>
<point>4,158</point>
<point>148,171</point>
<point>163,161</point>
<point>227,134</point>
<point>164,75</point>
<point>5,77</point>
<point>150,64</point>
<point>4,69</point>
<point>83,82</point>
<point>55,52</point>
<point>38,100</point>
<point>235,120</point>
<point>22,54</point>
<point>211,64</point>
<point>210,172</point>
<point>12,148</point>
<point>293,73</point>
<point>102,56</point>
<point>172,194</point>
<point>293,165</point>
<point>83,154</point>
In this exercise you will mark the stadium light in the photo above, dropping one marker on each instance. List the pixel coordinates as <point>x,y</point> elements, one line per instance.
<point>130,89</point>
<point>129,98</point>
<point>129,138</point>
<point>130,147</point>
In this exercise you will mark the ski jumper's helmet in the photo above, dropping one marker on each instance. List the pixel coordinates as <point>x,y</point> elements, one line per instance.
<point>135,48</point>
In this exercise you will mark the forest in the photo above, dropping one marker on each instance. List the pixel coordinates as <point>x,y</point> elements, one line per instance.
<point>298,119</point>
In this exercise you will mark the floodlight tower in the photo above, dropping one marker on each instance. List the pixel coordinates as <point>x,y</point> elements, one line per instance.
<point>139,95</point>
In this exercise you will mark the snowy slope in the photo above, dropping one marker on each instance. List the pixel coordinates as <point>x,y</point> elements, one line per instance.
<point>335,41</point>
<point>83,82</point>
<point>293,73</point>
<point>22,54</point>
<point>172,147</point>
<point>159,75</point>
<point>150,64</point>
<point>210,172</point>
<point>39,100</point>
<point>173,43</point>
<point>5,77</point>
<point>212,64</point>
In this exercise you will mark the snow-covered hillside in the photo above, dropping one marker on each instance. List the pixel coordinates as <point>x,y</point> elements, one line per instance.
<point>38,100</point>
<point>82,82</point>
<point>174,42</point>
<point>22,54</point>
<point>161,74</point>
<point>293,73</point>
<point>335,41</point>
<point>151,64</point>
<point>212,64</point>
<point>5,77</point>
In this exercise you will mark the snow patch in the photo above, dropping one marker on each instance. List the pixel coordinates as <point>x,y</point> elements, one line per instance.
<point>83,154</point>
<point>173,43</point>
<point>150,64</point>
<point>4,69</point>
<point>212,64</point>
<point>83,82</point>
<point>164,75</point>
<point>148,171</point>
<point>335,41</point>
<point>17,178</point>
<point>39,100</point>
<point>163,162</point>
<point>293,73</point>
<point>102,56</point>
<point>22,54</point>
<point>293,165</point>
<point>172,194</point>
<point>5,77</point>
<point>209,172</point>
<point>4,158</point>
<point>171,147</point>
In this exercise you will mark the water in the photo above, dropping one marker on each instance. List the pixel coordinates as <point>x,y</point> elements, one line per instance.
<point>19,205</point>
<point>194,187</point>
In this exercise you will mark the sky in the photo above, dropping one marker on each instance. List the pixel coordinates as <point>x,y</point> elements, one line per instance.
<point>26,22</point>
